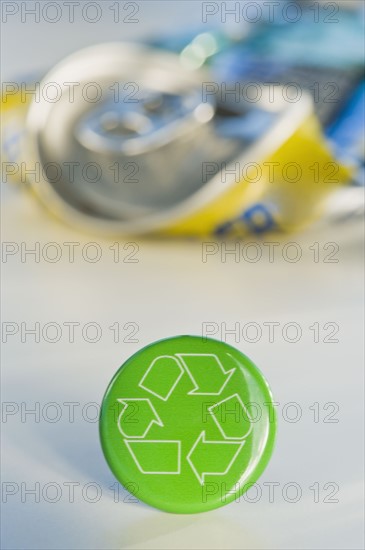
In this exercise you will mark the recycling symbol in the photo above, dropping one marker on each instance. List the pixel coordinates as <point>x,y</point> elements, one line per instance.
<point>169,385</point>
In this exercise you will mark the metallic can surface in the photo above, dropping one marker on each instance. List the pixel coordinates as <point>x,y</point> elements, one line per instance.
<point>125,142</point>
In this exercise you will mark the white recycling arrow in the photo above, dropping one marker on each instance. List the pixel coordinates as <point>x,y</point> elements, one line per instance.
<point>206,372</point>
<point>152,456</point>
<point>232,417</point>
<point>137,417</point>
<point>162,376</point>
<point>213,458</point>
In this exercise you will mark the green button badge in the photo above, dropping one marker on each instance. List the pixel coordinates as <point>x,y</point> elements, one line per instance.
<point>188,423</point>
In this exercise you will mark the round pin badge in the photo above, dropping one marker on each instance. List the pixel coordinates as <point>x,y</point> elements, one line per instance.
<point>188,424</point>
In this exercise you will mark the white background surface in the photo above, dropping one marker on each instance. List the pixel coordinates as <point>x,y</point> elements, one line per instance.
<point>171,291</point>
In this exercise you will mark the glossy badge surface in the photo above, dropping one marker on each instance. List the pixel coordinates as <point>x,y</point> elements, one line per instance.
<point>188,424</point>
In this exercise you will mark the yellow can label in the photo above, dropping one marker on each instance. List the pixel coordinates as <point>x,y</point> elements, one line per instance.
<point>290,192</point>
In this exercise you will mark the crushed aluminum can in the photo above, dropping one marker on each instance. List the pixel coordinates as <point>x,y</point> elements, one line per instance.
<point>128,144</point>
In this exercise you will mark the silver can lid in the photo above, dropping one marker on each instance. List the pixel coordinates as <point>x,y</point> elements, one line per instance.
<point>115,141</point>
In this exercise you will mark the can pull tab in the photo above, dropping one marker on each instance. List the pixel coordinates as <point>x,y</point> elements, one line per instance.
<point>151,122</point>
<point>128,124</point>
